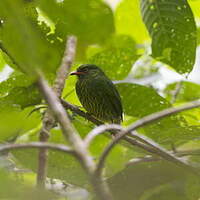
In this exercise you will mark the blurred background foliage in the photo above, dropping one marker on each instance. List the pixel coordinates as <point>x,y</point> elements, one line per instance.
<point>150,49</point>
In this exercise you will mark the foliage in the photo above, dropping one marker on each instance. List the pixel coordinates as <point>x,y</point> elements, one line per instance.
<point>32,39</point>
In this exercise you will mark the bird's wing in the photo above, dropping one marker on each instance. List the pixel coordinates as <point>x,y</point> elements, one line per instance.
<point>110,94</point>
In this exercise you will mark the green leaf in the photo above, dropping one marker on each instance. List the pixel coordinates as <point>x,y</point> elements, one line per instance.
<point>22,97</point>
<point>188,91</point>
<point>16,80</point>
<point>15,122</point>
<point>139,101</point>
<point>128,21</point>
<point>117,58</point>
<point>172,28</point>
<point>90,20</point>
<point>23,40</point>
<point>147,179</point>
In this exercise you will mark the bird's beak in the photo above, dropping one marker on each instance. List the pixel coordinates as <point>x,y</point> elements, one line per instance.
<point>76,73</point>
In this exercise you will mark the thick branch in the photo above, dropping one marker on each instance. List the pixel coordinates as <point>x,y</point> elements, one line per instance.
<point>48,119</point>
<point>65,66</point>
<point>155,148</point>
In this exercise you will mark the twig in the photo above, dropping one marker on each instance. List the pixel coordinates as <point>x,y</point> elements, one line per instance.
<point>37,145</point>
<point>81,113</point>
<point>70,134</point>
<point>176,91</point>
<point>145,159</point>
<point>142,122</point>
<point>99,130</point>
<point>48,120</point>
<point>149,158</point>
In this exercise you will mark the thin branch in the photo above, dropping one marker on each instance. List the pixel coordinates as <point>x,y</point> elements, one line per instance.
<point>37,145</point>
<point>145,159</point>
<point>79,112</point>
<point>149,158</point>
<point>142,122</point>
<point>48,119</point>
<point>99,130</point>
<point>70,134</point>
<point>144,143</point>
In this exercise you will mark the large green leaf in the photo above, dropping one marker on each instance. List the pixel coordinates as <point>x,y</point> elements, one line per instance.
<point>90,20</point>
<point>128,20</point>
<point>117,58</point>
<point>23,40</point>
<point>172,28</point>
<point>139,101</point>
<point>15,122</point>
<point>16,80</point>
<point>152,181</point>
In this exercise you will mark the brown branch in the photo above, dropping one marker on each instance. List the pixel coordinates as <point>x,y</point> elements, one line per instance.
<point>73,137</point>
<point>48,119</point>
<point>149,158</point>
<point>154,149</point>
<point>65,66</point>
<point>140,141</point>
<point>99,130</point>
<point>37,145</point>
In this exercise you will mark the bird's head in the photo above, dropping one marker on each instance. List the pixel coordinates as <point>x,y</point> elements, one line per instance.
<point>87,71</point>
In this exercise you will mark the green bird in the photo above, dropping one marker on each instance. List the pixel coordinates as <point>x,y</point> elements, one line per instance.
<point>98,94</point>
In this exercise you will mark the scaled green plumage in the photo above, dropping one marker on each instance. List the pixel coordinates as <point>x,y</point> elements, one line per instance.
<point>98,94</point>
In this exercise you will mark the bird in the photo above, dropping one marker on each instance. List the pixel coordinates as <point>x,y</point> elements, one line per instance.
<point>97,94</point>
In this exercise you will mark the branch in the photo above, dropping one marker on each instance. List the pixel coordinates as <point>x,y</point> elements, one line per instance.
<point>144,142</point>
<point>65,66</point>
<point>48,120</point>
<point>149,158</point>
<point>70,134</point>
<point>99,130</point>
<point>79,112</point>
<point>155,148</point>
<point>37,145</point>
<point>149,145</point>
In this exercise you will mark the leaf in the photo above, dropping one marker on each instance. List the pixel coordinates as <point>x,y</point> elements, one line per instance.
<point>128,21</point>
<point>172,28</point>
<point>139,101</point>
<point>24,41</point>
<point>117,58</point>
<point>188,92</point>
<point>15,122</point>
<point>145,179</point>
<point>16,80</point>
<point>21,97</point>
<point>90,20</point>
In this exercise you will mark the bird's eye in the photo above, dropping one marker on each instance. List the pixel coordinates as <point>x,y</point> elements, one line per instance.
<point>86,70</point>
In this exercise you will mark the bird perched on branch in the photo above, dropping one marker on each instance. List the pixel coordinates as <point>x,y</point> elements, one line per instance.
<point>98,94</point>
